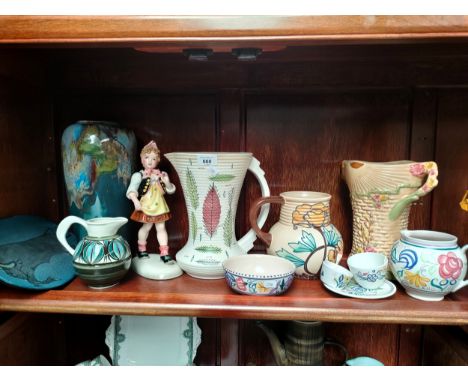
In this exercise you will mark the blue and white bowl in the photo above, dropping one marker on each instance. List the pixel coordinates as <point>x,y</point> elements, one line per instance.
<point>259,275</point>
<point>369,269</point>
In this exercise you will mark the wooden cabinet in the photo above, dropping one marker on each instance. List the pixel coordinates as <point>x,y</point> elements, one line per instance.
<point>324,89</point>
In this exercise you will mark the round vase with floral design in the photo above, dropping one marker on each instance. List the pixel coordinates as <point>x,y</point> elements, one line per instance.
<point>429,264</point>
<point>304,234</point>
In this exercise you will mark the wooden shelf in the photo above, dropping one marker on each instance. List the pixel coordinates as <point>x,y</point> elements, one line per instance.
<point>186,296</point>
<point>223,30</point>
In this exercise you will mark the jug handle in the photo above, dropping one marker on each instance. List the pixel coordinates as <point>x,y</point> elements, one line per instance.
<point>246,241</point>
<point>338,345</point>
<point>63,228</point>
<point>262,235</point>
<point>464,283</point>
<point>429,169</point>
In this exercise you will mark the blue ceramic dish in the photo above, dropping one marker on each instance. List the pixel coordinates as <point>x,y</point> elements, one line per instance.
<point>31,256</point>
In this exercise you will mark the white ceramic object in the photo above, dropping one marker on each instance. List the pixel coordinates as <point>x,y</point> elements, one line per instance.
<point>100,360</point>
<point>304,234</point>
<point>352,289</point>
<point>369,269</point>
<point>212,183</point>
<point>259,274</point>
<point>429,264</point>
<point>335,275</point>
<point>153,341</point>
<point>152,267</point>
<point>102,258</point>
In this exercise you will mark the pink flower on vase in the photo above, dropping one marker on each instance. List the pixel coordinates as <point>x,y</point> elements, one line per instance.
<point>240,283</point>
<point>450,266</point>
<point>417,169</point>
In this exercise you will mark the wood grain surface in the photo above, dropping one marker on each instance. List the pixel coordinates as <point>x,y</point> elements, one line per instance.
<point>133,29</point>
<point>300,109</point>
<point>186,296</point>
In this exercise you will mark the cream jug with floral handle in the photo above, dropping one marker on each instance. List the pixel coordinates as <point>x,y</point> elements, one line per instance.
<point>381,194</point>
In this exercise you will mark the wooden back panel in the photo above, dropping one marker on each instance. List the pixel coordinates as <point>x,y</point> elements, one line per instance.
<point>300,111</point>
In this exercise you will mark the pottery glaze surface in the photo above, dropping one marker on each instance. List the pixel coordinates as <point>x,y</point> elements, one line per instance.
<point>353,289</point>
<point>30,255</point>
<point>369,269</point>
<point>304,234</point>
<point>381,194</point>
<point>258,274</point>
<point>429,264</point>
<point>102,257</point>
<point>335,275</point>
<point>153,341</point>
<point>212,183</point>
<point>98,161</point>
<point>303,343</point>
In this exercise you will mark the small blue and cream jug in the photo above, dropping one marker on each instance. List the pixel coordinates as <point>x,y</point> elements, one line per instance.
<point>102,258</point>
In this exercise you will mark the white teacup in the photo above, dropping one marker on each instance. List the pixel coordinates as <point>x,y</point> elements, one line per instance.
<point>335,275</point>
<point>368,268</point>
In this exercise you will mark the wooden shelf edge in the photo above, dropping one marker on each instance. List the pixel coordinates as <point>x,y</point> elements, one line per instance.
<point>344,315</point>
<point>225,29</point>
<point>187,296</point>
<point>326,315</point>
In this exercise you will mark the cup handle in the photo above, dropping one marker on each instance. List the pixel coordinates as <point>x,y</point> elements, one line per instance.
<point>246,241</point>
<point>428,168</point>
<point>261,202</point>
<point>63,228</point>
<point>465,282</point>
<point>340,346</point>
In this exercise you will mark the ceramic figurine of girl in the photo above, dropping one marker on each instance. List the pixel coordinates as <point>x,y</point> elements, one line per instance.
<point>146,190</point>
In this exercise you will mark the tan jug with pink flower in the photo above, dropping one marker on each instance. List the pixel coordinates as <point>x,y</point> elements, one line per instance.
<point>381,196</point>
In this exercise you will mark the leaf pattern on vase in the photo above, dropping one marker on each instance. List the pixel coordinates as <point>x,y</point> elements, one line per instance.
<point>416,279</point>
<point>227,225</point>
<point>193,225</point>
<point>211,211</point>
<point>298,262</point>
<point>222,178</point>
<point>332,237</point>
<point>208,248</point>
<point>306,244</point>
<point>192,189</point>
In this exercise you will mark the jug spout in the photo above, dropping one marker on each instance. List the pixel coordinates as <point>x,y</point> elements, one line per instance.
<point>278,348</point>
<point>102,227</point>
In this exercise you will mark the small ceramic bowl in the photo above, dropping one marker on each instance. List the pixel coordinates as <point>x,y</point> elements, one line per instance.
<point>369,269</point>
<point>259,275</point>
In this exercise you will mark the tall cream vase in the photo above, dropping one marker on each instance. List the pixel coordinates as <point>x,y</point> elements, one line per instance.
<point>381,196</point>
<point>212,183</point>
